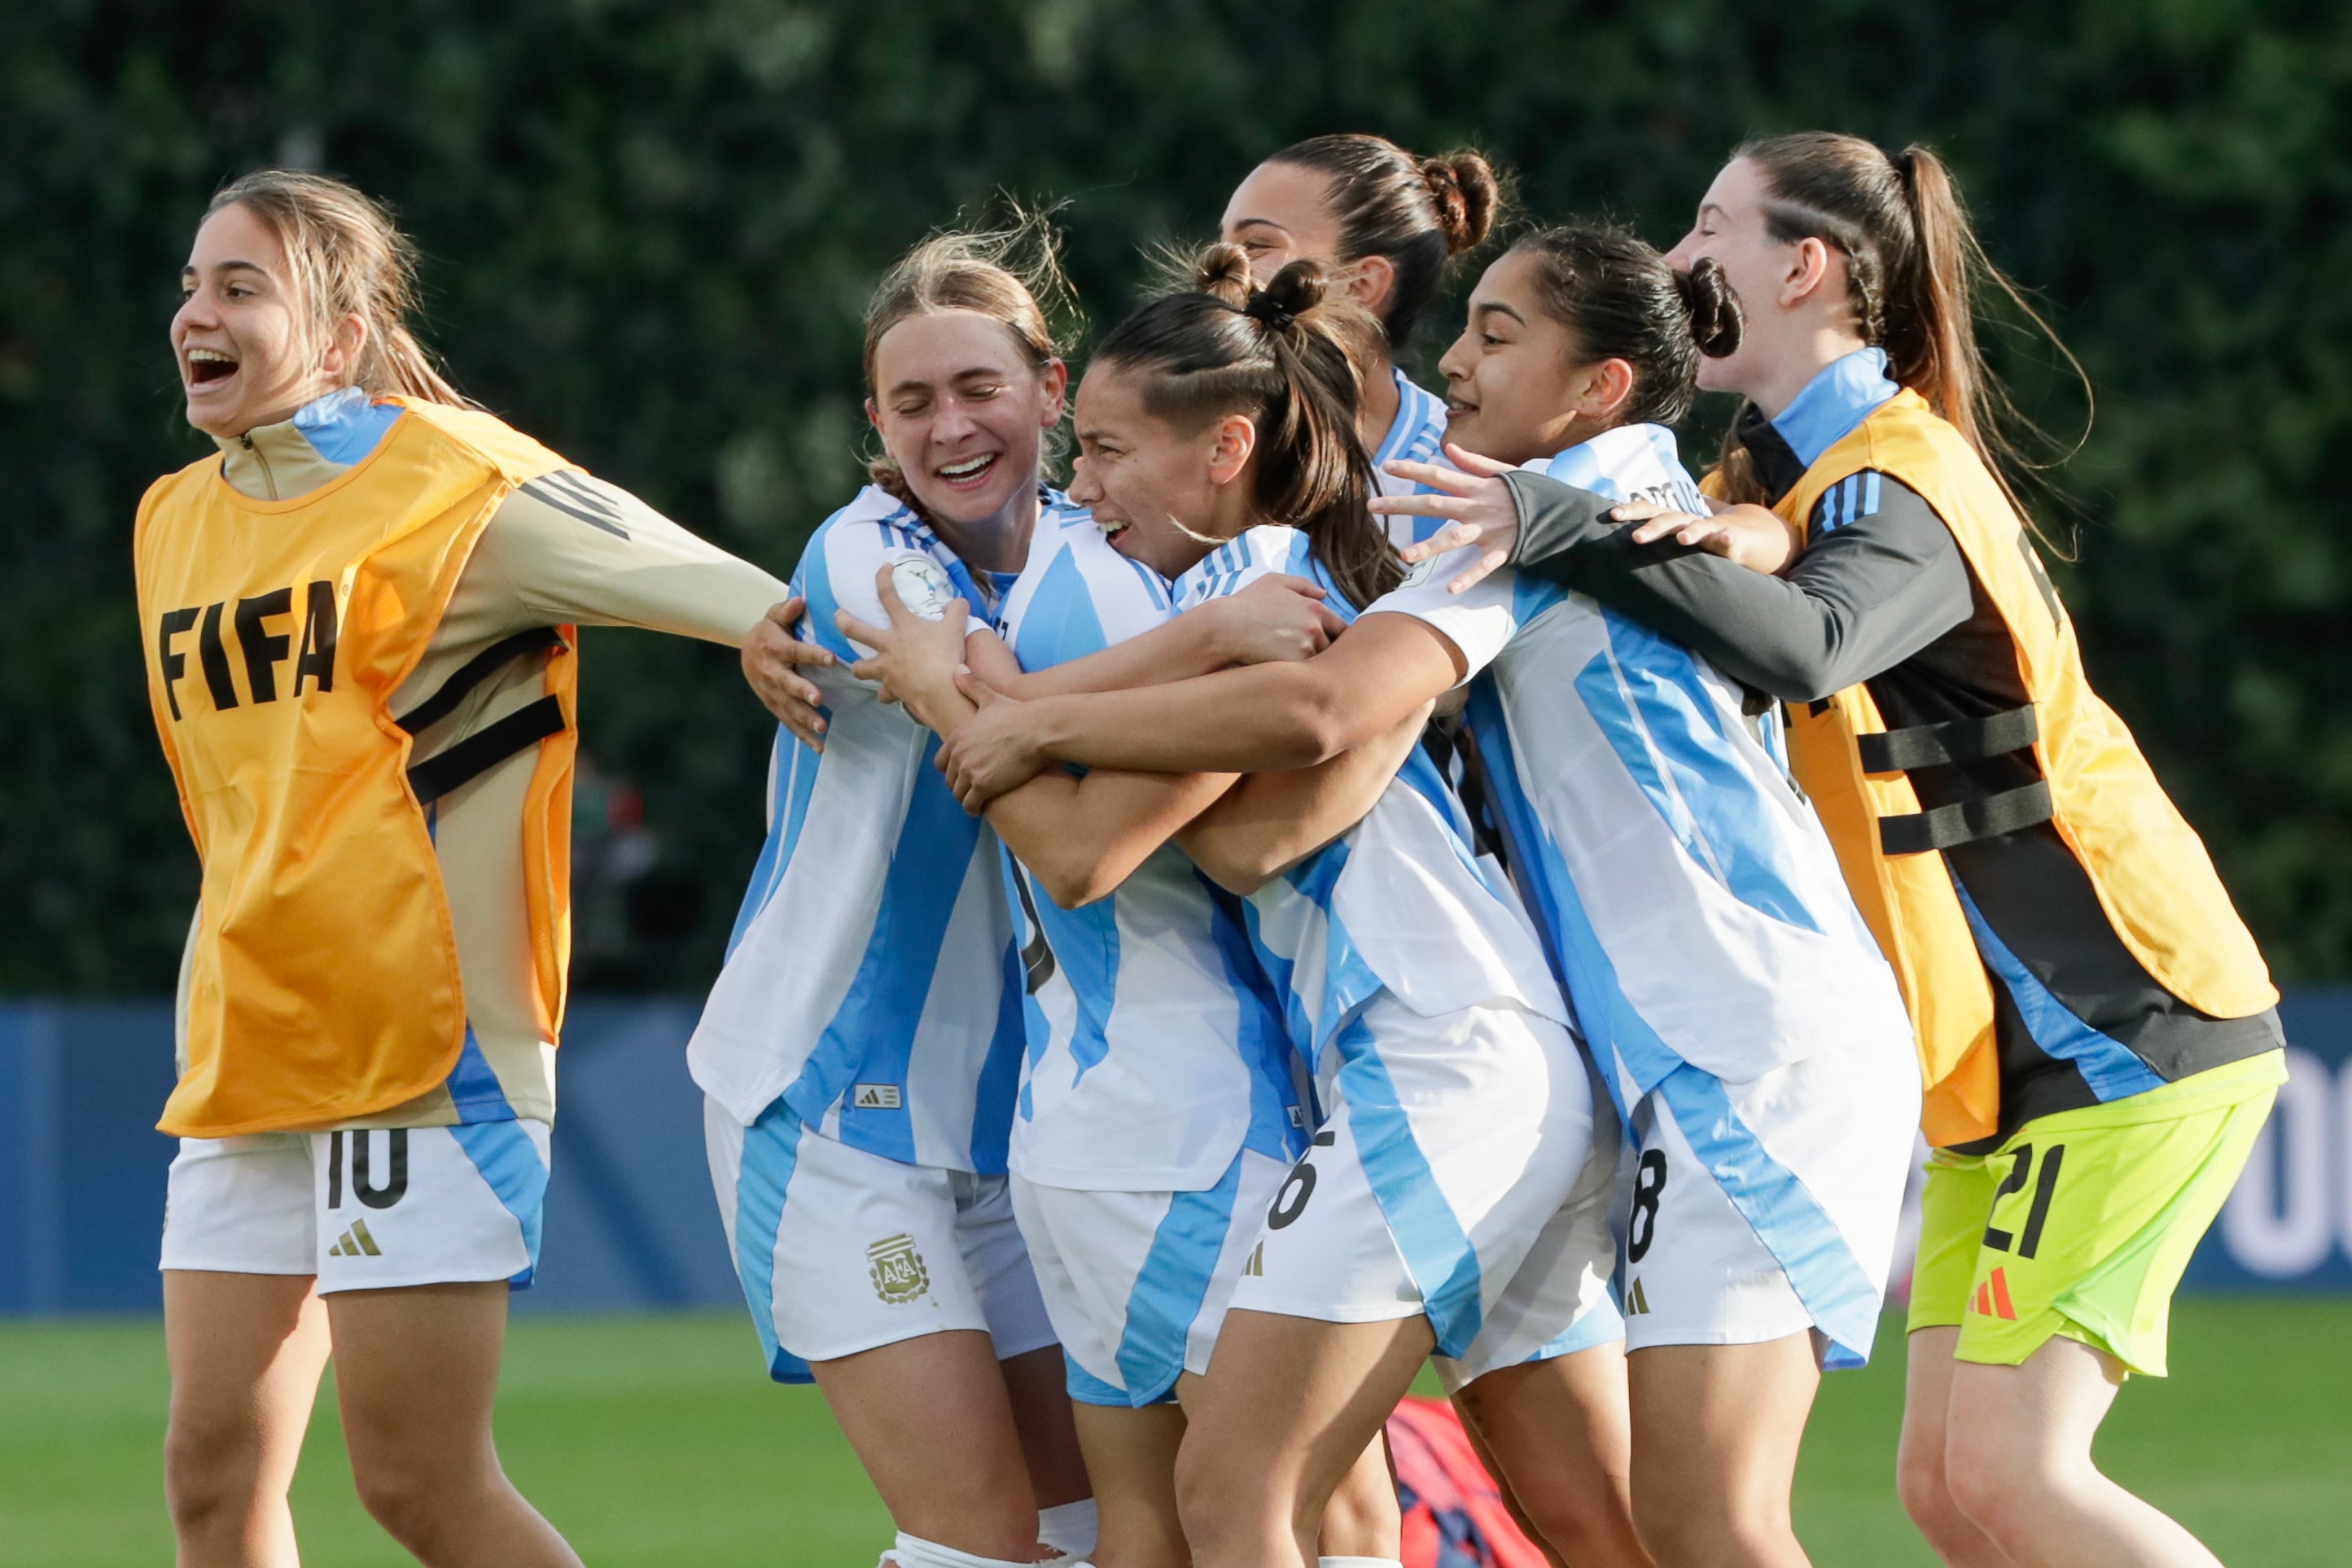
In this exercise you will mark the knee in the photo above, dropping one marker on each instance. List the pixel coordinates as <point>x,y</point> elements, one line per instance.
<point>1920,1482</point>
<point>1216,1496</point>
<point>209,1470</point>
<point>416,1501</point>
<point>1991,1481</point>
<point>1682,1525</point>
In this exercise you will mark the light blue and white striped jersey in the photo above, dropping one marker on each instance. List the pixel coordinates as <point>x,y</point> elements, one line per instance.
<point>872,980</point>
<point>1399,902</point>
<point>1692,903</point>
<point>1157,1049</point>
<point>1417,434</point>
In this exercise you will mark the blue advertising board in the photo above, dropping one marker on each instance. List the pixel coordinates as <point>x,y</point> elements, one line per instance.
<point>630,1221</point>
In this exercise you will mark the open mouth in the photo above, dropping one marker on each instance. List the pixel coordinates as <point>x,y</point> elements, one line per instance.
<point>1457,409</point>
<point>1113,530</point>
<point>208,366</point>
<point>968,472</point>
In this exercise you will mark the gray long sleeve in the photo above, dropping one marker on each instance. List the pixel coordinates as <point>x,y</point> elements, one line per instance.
<point>1864,596</point>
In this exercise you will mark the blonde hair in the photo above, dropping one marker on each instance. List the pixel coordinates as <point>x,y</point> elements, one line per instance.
<point>346,258</point>
<point>1011,274</point>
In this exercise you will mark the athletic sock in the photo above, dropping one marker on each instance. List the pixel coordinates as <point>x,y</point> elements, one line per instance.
<point>1070,1529</point>
<point>914,1552</point>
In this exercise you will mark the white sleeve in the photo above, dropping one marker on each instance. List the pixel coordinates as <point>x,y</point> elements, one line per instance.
<point>577,550</point>
<point>839,572</point>
<point>1479,621</point>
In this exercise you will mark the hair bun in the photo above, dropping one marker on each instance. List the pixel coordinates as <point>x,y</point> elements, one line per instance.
<point>1715,318</point>
<point>1289,294</point>
<point>1467,193</point>
<point>1223,270</point>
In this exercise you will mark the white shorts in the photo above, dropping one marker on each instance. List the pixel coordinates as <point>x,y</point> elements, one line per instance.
<point>362,1210</point>
<point>840,1250</point>
<point>1458,1151</point>
<point>1137,1283</point>
<point>1764,1208</point>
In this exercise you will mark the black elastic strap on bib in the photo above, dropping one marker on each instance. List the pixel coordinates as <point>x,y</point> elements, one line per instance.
<point>1967,821</point>
<point>485,749</point>
<point>1960,741</point>
<point>474,671</point>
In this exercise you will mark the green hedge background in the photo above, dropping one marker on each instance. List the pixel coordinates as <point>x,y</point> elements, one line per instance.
<point>650,230</point>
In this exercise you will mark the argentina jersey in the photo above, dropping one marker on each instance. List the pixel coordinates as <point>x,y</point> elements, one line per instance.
<point>1398,903</point>
<point>1416,435</point>
<point>1691,903</point>
<point>871,981</point>
<point>1156,1046</point>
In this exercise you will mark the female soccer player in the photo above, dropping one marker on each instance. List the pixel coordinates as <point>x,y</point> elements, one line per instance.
<point>861,1070</point>
<point>1742,1020</point>
<point>1384,225</point>
<point>357,620</point>
<point>1442,1202</point>
<point>2096,1028</point>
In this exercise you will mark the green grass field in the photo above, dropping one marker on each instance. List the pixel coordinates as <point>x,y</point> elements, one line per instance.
<point>655,1441</point>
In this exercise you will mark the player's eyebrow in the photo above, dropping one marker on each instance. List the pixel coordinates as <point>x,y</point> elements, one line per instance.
<point>1494,308</point>
<point>219,266</point>
<point>1260,222</point>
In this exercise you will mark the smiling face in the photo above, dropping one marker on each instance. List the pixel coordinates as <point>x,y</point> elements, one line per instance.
<point>244,357</point>
<point>1516,384</point>
<point>962,413</point>
<point>1161,496</point>
<point>1731,229</point>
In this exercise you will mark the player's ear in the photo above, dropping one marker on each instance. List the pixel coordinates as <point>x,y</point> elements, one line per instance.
<point>873,414</point>
<point>1055,378</point>
<point>1235,439</point>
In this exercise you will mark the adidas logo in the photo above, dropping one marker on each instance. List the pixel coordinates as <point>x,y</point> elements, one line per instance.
<point>1637,1301</point>
<point>1255,1266</point>
<point>356,1243</point>
<point>876,1096</point>
<point>1992,1296</point>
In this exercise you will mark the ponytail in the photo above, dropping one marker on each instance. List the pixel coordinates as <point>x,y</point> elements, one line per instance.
<point>1286,358</point>
<point>345,258</point>
<point>1913,268</point>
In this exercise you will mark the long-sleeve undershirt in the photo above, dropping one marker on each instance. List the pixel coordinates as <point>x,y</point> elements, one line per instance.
<point>1863,597</point>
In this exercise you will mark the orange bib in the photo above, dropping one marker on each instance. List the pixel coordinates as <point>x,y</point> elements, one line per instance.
<point>323,980</point>
<point>2151,873</point>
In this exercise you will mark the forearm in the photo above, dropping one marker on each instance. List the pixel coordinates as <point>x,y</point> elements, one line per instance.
<point>1264,718</point>
<point>1857,602</point>
<point>1084,837</point>
<point>1267,823</point>
<point>1186,646</point>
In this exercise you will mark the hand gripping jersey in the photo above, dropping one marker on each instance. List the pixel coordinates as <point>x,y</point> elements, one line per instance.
<point>1905,803</point>
<point>1399,903</point>
<point>1693,906</point>
<point>871,981</point>
<point>1157,1049</point>
<point>324,979</point>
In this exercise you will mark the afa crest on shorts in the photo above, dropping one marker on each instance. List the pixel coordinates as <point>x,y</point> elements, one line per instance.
<point>896,1267</point>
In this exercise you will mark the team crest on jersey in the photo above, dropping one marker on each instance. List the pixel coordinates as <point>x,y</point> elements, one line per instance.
<point>923,586</point>
<point>1417,572</point>
<point>898,1269</point>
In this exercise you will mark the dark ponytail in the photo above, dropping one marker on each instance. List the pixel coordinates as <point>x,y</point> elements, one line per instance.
<point>1619,300</point>
<point>1285,356</point>
<point>1914,266</point>
<point>1415,212</point>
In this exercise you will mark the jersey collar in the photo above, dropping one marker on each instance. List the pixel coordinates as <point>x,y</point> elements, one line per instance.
<point>325,436</point>
<point>1846,391</point>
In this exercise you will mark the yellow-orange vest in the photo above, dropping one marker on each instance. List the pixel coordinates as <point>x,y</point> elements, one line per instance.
<point>2150,871</point>
<point>323,981</point>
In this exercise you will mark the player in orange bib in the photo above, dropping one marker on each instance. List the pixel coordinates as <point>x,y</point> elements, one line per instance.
<point>359,619</point>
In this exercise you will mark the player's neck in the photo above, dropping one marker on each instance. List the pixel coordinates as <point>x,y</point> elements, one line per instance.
<point>997,542</point>
<point>1379,409</point>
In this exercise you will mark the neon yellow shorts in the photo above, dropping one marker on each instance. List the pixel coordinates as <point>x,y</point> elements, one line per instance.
<point>2081,1223</point>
